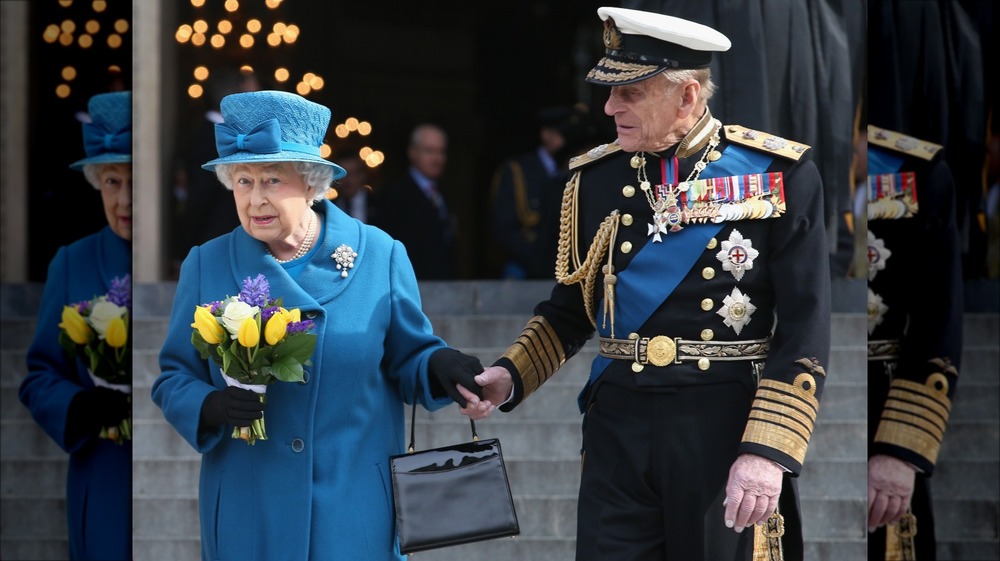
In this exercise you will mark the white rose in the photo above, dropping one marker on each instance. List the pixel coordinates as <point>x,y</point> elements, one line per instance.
<point>102,313</point>
<point>234,314</point>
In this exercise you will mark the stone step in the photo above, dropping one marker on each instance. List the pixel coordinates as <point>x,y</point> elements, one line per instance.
<point>539,516</point>
<point>965,519</point>
<point>178,477</point>
<point>960,478</point>
<point>34,518</point>
<point>33,478</point>
<point>37,549</point>
<point>559,439</point>
<point>968,550</point>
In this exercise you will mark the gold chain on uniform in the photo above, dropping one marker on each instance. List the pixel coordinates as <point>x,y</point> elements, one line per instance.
<point>638,162</point>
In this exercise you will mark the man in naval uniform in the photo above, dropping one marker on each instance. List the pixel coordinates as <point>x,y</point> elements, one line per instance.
<point>697,252</point>
<point>914,337</point>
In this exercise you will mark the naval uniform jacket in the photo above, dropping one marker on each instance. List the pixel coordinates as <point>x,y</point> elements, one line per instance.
<point>99,479</point>
<point>318,487</point>
<point>788,285</point>
<point>914,310</point>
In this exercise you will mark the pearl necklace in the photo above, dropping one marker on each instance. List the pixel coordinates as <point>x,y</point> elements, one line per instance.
<point>306,244</point>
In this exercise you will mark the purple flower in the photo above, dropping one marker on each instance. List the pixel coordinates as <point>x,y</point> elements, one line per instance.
<point>300,326</point>
<point>267,313</point>
<point>121,291</point>
<point>83,307</point>
<point>255,291</point>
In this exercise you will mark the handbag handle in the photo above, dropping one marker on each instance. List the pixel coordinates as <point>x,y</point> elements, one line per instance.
<point>413,421</point>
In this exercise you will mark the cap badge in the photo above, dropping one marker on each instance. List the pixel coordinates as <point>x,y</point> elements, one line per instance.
<point>612,37</point>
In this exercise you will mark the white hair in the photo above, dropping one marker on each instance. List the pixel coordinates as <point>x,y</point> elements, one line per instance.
<point>701,75</point>
<point>314,174</point>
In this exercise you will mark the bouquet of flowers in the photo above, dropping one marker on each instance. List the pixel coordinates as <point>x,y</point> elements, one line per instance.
<point>97,331</point>
<point>230,332</point>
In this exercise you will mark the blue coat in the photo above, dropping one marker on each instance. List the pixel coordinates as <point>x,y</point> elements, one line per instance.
<point>318,487</point>
<point>99,481</point>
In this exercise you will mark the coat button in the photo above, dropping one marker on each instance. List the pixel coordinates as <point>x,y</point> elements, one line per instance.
<point>703,364</point>
<point>707,334</point>
<point>707,304</point>
<point>628,190</point>
<point>712,243</point>
<point>708,273</point>
<point>626,247</point>
<point>627,219</point>
<point>297,445</point>
<point>311,314</point>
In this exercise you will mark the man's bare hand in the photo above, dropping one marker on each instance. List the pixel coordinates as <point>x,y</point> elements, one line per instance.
<point>752,491</point>
<point>497,385</point>
<point>890,488</point>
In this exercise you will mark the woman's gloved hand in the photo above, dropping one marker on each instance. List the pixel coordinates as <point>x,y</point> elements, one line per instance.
<point>450,368</point>
<point>231,406</point>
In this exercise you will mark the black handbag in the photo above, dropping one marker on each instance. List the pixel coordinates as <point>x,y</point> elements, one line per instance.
<point>451,495</point>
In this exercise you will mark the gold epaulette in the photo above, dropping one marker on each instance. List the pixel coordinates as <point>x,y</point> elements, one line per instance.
<point>595,153</point>
<point>765,141</point>
<point>899,142</point>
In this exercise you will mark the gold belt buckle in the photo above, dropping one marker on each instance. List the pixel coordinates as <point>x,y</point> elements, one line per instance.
<point>661,350</point>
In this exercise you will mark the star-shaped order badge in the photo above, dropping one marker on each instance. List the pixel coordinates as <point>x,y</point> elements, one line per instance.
<point>736,310</point>
<point>737,254</point>
<point>878,254</point>
<point>876,310</point>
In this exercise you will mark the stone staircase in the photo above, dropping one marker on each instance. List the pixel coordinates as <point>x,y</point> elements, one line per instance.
<point>541,440</point>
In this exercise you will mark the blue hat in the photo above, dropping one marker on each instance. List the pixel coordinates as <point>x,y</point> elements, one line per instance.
<point>271,126</point>
<point>107,138</point>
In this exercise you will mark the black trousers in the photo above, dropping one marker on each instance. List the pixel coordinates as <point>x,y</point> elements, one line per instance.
<point>654,474</point>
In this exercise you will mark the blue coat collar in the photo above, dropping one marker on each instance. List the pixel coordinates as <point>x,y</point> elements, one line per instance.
<point>320,281</point>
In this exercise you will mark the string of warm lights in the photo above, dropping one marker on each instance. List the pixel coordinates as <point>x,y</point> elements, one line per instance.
<point>68,33</point>
<point>247,33</point>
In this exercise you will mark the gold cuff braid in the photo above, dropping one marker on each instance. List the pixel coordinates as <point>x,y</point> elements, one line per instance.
<point>782,417</point>
<point>915,417</point>
<point>537,354</point>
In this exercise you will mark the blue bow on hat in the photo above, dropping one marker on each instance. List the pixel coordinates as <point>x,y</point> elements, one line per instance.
<point>97,141</point>
<point>107,138</point>
<point>271,126</point>
<point>265,138</point>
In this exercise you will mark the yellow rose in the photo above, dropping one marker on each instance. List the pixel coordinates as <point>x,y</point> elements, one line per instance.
<point>275,329</point>
<point>76,327</point>
<point>207,326</point>
<point>116,335</point>
<point>249,334</point>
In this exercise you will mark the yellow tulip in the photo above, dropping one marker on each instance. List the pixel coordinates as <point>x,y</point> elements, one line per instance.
<point>208,326</point>
<point>296,315</point>
<point>275,329</point>
<point>249,334</point>
<point>116,335</point>
<point>76,327</point>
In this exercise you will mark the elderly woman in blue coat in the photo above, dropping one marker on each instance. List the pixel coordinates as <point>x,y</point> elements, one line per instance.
<point>318,486</point>
<point>63,398</point>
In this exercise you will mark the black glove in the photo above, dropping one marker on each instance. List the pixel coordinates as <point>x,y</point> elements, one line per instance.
<point>231,406</point>
<point>449,367</point>
<point>95,408</point>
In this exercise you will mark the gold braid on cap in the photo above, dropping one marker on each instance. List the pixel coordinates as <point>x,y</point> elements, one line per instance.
<point>586,271</point>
